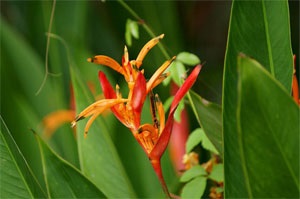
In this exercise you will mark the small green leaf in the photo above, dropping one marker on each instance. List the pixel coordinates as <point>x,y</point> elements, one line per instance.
<point>217,173</point>
<point>131,30</point>
<point>193,140</point>
<point>193,172</point>
<point>128,38</point>
<point>198,136</point>
<point>188,58</point>
<point>177,114</point>
<point>62,179</point>
<point>178,72</point>
<point>134,29</point>
<point>168,103</point>
<point>194,189</point>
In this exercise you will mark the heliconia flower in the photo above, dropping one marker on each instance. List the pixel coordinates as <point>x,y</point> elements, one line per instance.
<point>153,138</point>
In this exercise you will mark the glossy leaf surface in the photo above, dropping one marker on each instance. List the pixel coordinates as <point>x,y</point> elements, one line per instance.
<point>265,36</point>
<point>58,172</point>
<point>17,179</point>
<point>209,116</point>
<point>267,135</point>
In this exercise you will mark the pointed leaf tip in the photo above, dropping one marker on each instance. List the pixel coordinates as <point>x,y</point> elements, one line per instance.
<point>188,83</point>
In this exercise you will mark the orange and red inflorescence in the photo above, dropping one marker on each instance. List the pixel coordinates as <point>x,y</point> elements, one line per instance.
<point>154,137</point>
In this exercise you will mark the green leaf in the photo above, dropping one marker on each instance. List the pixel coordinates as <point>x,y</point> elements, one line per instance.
<point>134,29</point>
<point>217,173</point>
<point>267,135</point>
<point>178,72</point>
<point>17,179</point>
<point>62,179</point>
<point>128,37</point>
<point>98,157</point>
<point>131,29</point>
<point>180,108</point>
<point>193,140</point>
<point>257,30</point>
<point>194,188</point>
<point>188,58</point>
<point>168,103</point>
<point>196,137</point>
<point>193,172</point>
<point>206,143</point>
<point>209,116</point>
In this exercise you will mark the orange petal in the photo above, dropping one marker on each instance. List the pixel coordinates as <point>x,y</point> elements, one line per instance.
<point>107,61</point>
<point>125,59</point>
<point>146,48</point>
<point>157,75</point>
<point>89,123</point>
<point>161,113</point>
<point>55,119</point>
<point>160,79</point>
<point>97,108</point>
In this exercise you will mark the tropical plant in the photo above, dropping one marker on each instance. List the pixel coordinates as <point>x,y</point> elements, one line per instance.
<point>238,140</point>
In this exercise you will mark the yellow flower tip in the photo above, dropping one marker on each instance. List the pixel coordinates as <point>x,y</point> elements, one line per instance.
<point>90,60</point>
<point>161,36</point>
<point>173,58</point>
<point>73,124</point>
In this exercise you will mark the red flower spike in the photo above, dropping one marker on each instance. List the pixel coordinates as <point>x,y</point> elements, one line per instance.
<point>178,137</point>
<point>138,98</point>
<point>186,86</point>
<point>164,138</point>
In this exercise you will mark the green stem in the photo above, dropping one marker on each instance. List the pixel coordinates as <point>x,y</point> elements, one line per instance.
<point>145,26</point>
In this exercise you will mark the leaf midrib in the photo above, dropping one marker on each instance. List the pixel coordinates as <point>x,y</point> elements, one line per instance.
<point>268,39</point>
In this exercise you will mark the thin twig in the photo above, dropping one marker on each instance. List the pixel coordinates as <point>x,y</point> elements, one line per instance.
<point>47,48</point>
